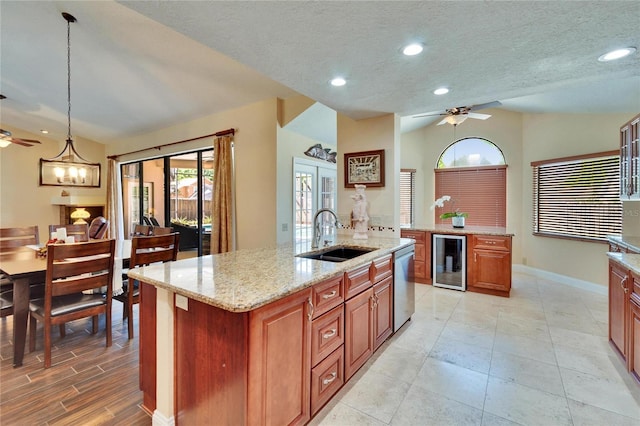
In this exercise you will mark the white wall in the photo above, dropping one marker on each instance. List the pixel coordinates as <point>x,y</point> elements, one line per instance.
<point>291,145</point>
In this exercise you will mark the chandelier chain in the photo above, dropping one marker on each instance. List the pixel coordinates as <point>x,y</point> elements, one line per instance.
<point>69,79</point>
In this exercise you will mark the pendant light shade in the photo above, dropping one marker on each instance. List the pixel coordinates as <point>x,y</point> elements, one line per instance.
<point>69,168</point>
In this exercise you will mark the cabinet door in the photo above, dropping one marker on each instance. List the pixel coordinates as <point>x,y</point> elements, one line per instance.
<point>490,269</point>
<point>618,277</point>
<point>280,361</point>
<point>383,311</point>
<point>358,332</point>
<point>634,336</point>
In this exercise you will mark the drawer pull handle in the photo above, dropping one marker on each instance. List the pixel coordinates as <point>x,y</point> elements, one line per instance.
<point>330,334</point>
<point>329,295</point>
<point>331,379</point>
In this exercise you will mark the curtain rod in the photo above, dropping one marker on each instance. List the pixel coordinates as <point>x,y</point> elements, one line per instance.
<point>158,147</point>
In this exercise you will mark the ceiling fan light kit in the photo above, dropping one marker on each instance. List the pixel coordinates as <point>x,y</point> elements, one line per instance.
<point>69,168</point>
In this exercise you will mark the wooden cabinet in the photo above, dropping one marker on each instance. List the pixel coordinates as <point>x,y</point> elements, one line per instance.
<point>630,160</point>
<point>489,264</point>
<point>358,312</point>
<point>618,306</point>
<point>422,256</point>
<point>369,313</point>
<point>633,359</point>
<point>279,365</point>
<point>382,311</point>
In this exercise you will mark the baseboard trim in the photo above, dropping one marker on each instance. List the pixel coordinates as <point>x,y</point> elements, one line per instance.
<point>159,419</point>
<point>562,279</point>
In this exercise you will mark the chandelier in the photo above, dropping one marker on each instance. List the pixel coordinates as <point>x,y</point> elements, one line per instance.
<point>69,168</point>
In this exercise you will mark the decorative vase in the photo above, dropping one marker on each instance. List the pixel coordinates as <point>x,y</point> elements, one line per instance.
<point>457,221</point>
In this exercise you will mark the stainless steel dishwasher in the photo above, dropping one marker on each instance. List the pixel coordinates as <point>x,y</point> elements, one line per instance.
<point>404,292</point>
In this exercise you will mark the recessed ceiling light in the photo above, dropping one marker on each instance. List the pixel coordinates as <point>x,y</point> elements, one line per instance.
<point>413,49</point>
<point>338,81</point>
<point>44,131</point>
<point>441,91</point>
<point>617,54</point>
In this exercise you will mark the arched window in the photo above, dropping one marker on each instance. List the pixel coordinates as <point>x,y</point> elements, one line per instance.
<point>473,172</point>
<point>470,152</point>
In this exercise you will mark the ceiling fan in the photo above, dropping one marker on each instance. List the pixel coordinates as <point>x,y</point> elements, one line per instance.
<point>457,115</point>
<point>6,139</point>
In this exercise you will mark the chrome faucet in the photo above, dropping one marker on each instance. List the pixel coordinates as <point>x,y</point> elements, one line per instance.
<point>317,231</point>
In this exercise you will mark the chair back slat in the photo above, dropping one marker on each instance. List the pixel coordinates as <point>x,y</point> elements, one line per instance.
<point>76,262</point>
<point>11,238</point>
<point>157,248</point>
<point>79,232</point>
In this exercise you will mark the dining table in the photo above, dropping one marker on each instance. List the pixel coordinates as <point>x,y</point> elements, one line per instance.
<point>25,267</point>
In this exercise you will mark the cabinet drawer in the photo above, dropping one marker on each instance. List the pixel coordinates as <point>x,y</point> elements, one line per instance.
<point>416,235</point>
<point>381,268</point>
<point>327,333</point>
<point>327,295</point>
<point>492,242</point>
<point>635,287</point>
<point>356,281</point>
<point>326,379</point>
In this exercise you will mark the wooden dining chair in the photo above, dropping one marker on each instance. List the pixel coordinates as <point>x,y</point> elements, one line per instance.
<point>98,228</point>
<point>141,230</point>
<point>71,269</point>
<point>161,230</point>
<point>12,241</point>
<point>144,251</point>
<point>79,232</point>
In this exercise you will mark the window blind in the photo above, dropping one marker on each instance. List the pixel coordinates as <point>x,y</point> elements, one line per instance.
<point>479,191</point>
<point>577,197</point>
<point>407,196</point>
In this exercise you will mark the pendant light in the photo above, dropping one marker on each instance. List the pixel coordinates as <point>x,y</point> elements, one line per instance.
<point>69,168</point>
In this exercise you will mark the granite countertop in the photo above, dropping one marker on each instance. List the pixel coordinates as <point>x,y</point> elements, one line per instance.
<point>243,280</point>
<point>628,260</point>
<point>630,243</point>
<point>449,229</point>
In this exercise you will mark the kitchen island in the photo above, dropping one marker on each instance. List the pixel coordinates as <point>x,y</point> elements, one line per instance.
<point>260,336</point>
<point>488,256</point>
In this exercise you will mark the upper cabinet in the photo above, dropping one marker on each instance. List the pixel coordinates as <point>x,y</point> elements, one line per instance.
<point>630,160</point>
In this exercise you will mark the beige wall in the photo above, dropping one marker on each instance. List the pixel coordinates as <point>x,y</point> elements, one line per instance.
<point>255,149</point>
<point>367,135</point>
<point>22,201</point>
<point>524,138</point>
<point>548,136</point>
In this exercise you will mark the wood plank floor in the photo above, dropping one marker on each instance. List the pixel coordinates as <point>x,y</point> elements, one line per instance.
<point>87,384</point>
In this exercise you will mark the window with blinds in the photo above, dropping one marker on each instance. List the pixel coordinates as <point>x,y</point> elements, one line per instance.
<point>481,192</point>
<point>407,196</point>
<point>578,197</point>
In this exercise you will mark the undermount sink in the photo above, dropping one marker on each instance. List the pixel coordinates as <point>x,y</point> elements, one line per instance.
<point>336,254</point>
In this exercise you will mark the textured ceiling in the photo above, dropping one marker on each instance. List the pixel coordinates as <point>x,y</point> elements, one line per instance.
<point>139,66</point>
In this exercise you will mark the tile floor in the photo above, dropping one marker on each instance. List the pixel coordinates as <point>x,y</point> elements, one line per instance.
<point>540,357</point>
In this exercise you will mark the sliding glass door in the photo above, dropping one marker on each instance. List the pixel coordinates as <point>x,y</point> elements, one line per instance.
<point>174,191</point>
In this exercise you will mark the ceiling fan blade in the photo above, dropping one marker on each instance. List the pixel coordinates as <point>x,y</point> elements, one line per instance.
<point>483,106</point>
<point>429,115</point>
<point>19,142</point>
<point>26,140</point>
<point>478,115</point>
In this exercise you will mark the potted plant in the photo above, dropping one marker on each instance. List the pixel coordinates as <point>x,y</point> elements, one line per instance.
<point>457,217</point>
